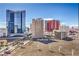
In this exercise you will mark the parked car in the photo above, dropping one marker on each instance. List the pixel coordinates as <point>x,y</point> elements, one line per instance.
<point>7,52</point>
<point>68,38</point>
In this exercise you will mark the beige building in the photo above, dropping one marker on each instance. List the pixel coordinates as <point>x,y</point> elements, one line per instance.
<point>60,34</point>
<point>37,28</point>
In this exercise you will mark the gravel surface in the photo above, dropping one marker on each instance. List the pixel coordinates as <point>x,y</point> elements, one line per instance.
<point>59,48</point>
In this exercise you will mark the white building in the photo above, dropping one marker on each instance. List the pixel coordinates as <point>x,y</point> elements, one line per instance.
<point>3,32</point>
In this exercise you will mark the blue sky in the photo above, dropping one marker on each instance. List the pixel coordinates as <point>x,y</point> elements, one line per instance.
<point>66,13</point>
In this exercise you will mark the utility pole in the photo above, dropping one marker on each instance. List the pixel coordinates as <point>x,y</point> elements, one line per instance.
<point>59,49</point>
<point>61,35</point>
<point>72,52</point>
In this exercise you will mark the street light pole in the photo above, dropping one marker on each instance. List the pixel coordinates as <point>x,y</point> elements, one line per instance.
<point>61,35</point>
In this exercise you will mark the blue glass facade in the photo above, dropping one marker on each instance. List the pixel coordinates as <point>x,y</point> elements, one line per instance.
<point>15,21</point>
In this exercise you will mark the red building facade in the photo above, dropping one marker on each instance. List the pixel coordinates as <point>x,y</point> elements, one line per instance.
<point>50,25</point>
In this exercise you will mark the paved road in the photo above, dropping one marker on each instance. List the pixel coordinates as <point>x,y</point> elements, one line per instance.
<point>11,48</point>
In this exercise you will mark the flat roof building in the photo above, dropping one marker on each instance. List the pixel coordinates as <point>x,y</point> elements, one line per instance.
<point>51,25</point>
<point>37,28</point>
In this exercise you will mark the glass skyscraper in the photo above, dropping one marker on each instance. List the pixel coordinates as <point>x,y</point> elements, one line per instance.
<point>15,21</point>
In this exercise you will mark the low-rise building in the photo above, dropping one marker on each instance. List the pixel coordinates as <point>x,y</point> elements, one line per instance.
<point>3,32</point>
<point>60,34</point>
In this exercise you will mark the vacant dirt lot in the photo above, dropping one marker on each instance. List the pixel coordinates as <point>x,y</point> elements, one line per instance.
<point>58,48</point>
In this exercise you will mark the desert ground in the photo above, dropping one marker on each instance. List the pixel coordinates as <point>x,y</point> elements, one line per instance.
<point>58,48</point>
